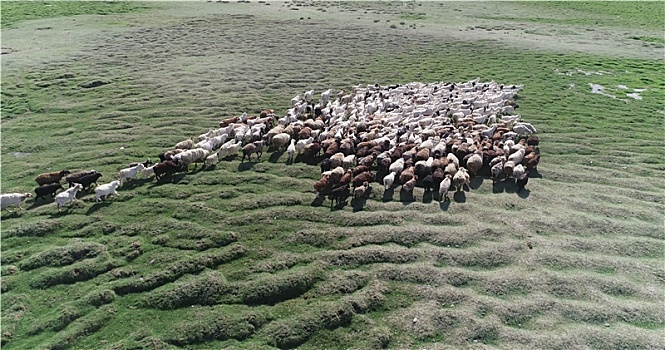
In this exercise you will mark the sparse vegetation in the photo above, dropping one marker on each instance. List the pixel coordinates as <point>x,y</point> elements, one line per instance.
<point>245,256</point>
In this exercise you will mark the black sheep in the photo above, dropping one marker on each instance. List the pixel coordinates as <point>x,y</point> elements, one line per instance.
<point>339,195</point>
<point>428,182</point>
<point>521,182</point>
<point>168,167</point>
<point>325,165</point>
<point>47,190</point>
<point>87,180</point>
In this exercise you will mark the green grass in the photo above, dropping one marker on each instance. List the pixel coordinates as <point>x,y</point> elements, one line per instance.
<point>244,256</point>
<point>14,12</point>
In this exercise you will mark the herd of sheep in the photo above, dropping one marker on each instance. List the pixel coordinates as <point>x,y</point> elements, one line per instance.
<point>435,135</point>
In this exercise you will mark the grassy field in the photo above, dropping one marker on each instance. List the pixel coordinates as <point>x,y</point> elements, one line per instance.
<point>246,256</point>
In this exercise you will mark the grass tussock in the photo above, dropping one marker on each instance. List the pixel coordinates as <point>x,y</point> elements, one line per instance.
<point>371,255</point>
<point>200,242</point>
<point>62,256</point>
<point>208,289</point>
<point>14,308</point>
<point>82,271</point>
<point>325,315</point>
<point>37,229</point>
<point>80,328</point>
<point>274,288</point>
<point>215,324</point>
<point>189,265</point>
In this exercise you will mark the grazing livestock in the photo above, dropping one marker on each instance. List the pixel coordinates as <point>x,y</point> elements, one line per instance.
<point>291,151</point>
<point>166,168</point>
<point>74,177</point>
<point>13,199</point>
<point>49,178</point>
<point>254,147</point>
<point>461,178</point>
<point>69,195</point>
<point>87,180</point>
<point>522,181</point>
<point>47,190</point>
<point>130,173</point>
<point>444,186</point>
<point>106,189</point>
<point>339,195</point>
<point>359,192</point>
<point>211,160</point>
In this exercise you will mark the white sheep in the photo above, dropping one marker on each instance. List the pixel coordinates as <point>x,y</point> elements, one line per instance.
<point>69,195</point>
<point>211,160</point>
<point>389,180</point>
<point>132,173</point>
<point>148,172</point>
<point>444,186</point>
<point>300,145</point>
<point>13,199</point>
<point>308,95</point>
<point>187,144</point>
<point>106,189</point>
<point>291,151</point>
<point>280,140</point>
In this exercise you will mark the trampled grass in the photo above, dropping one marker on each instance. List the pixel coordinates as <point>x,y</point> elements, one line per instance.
<point>246,256</point>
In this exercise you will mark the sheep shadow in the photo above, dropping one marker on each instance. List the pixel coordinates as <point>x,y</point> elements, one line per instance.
<point>534,174</point>
<point>405,197</point>
<point>98,205</point>
<point>246,166</point>
<point>274,156</point>
<point>444,205</point>
<point>133,183</point>
<point>498,187</point>
<point>318,201</point>
<point>358,204</point>
<point>509,185</point>
<point>41,202</point>
<point>388,195</point>
<point>428,197</point>
<point>476,182</point>
<point>11,215</point>
<point>524,194</point>
<point>338,206</point>
<point>459,196</point>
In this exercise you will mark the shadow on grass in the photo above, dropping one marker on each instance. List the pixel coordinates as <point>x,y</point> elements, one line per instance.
<point>509,185</point>
<point>11,214</point>
<point>132,184</point>
<point>405,197</point>
<point>459,196</point>
<point>476,182</point>
<point>41,202</point>
<point>388,195</point>
<point>358,204</point>
<point>246,166</point>
<point>444,205</point>
<point>524,194</point>
<point>274,157</point>
<point>428,197</point>
<point>318,201</point>
<point>498,187</point>
<point>97,206</point>
<point>534,174</point>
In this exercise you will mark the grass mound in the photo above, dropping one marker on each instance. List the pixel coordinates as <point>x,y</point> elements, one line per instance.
<point>208,289</point>
<point>194,264</point>
<point>62,256</point>
<point>215,324</point>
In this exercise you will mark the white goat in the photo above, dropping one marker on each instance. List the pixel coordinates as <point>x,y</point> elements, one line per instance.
<point>132,173</point>
<point>13,199</point>
<point>69,195</point>
<point>106,189</point>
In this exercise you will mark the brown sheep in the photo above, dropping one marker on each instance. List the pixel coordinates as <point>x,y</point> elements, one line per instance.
<point>228,121</point>
<point>410,185</point>
<point>474,163</point>
<point>406,175</point>
<point>49,178</point>
<point>321,185</point>
<point>360,169</point>
<point>346,178</point>
<point>266,112</point>
<point>305,133</point>
<point>331,150</point>
<point>360,191</point>
<point>423,154</point>
<point>361,178</point>
<point>254,147</point>
<point>347,147</point>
